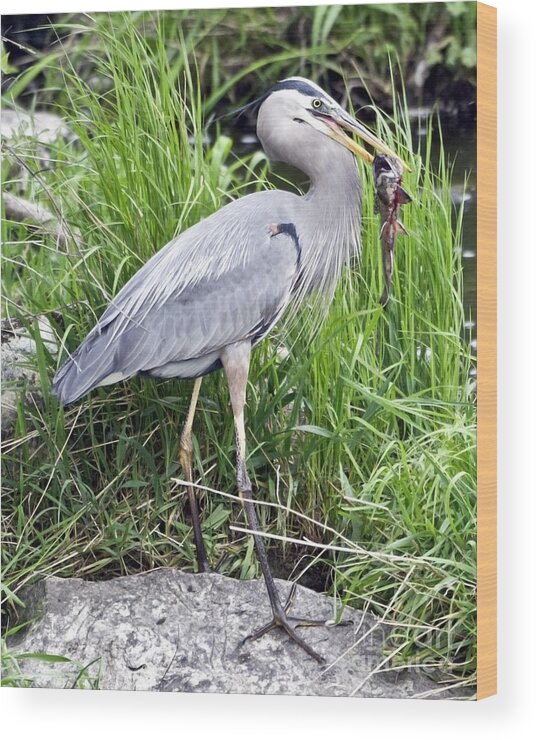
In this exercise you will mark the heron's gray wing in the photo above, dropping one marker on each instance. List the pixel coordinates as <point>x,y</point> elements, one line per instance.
<point>173,312</point>
<point>226,240</point>
<point>242,303</point>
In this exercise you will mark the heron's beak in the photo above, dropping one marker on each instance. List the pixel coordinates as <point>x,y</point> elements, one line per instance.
<point>339,120</point>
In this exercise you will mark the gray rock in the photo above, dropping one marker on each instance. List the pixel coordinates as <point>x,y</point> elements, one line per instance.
<point>37,216</point>
<point>43,126</point>
<point>32,133</point>
<point>19,370</point>
<point>173,631</point>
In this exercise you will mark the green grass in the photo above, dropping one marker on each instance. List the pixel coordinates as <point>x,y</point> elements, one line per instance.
<point>363,439</point>
<point>240,51</point>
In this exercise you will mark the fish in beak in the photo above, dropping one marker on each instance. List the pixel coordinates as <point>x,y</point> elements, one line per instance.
<point>388,169</point>
<point>390,197</point>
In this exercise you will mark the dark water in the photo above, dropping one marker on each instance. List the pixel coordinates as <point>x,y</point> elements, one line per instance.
<point>460,147</point>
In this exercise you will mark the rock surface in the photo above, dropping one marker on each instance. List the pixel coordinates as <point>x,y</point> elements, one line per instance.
<point>33,135</point>
<point>173,631</point>
<point>46,127</point>
<point>19,369</point>
<point>36,216</point>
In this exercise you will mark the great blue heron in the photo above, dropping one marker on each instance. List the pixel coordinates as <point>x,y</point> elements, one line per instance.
<point>212,293</point>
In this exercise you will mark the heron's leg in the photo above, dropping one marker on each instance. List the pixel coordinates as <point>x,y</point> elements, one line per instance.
<point>185,455</point>
<point>235,360</point>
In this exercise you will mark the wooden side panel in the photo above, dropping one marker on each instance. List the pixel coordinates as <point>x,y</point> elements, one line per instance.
<point>487,350</point>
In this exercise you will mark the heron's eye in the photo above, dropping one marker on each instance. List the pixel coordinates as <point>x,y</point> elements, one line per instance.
<point>317,103</point>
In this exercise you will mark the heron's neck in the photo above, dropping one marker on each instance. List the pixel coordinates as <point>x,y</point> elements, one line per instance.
<point>335,192</point>
<point>334,178</point>
<point>333,217</point>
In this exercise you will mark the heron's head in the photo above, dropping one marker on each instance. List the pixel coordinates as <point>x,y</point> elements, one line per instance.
<point>298,120</point>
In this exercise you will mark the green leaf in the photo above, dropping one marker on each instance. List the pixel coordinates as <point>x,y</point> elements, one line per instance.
<point>5,66</point>
<point>456,9</point>
<point>312,429</point>
<point>23,80</point>
<point>45,657</point>
<point>468,57</point>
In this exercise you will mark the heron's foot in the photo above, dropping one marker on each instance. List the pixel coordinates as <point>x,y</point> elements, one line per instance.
<point>288,623</point>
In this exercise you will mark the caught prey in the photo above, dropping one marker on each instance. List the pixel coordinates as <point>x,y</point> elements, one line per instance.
<point>390,196</point>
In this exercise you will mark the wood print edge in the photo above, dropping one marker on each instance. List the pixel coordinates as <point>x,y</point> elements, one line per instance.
<point>487,351</point>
